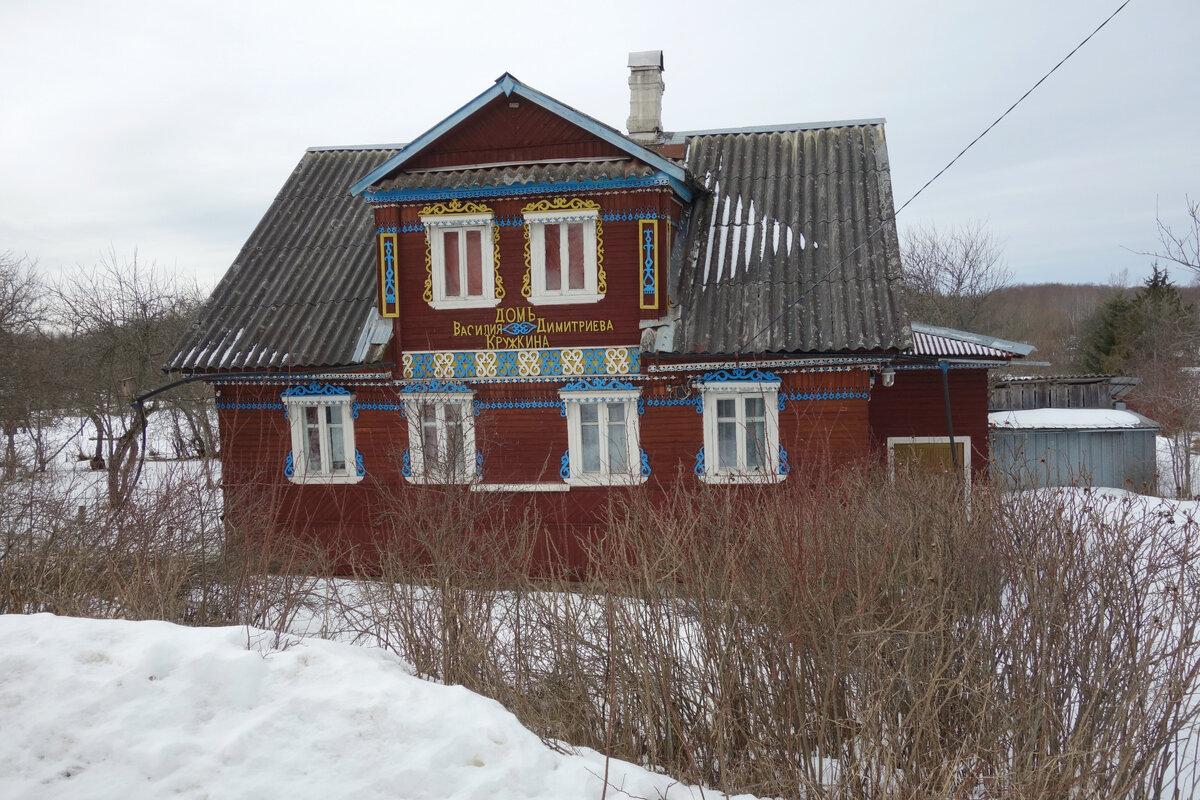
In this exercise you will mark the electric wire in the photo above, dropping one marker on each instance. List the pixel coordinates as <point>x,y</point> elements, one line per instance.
<point>892,217</point>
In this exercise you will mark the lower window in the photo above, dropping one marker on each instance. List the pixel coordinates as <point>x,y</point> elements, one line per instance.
<point>441,439</point>
<point>932,454</point>
<point>741,433</point>
<point>322,441</point>
<point>602,438</point>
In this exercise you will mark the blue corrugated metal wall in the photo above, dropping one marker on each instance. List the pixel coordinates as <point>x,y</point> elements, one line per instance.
<point>1027,459</point>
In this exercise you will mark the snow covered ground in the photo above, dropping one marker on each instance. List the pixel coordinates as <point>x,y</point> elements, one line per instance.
<point>116,709</point>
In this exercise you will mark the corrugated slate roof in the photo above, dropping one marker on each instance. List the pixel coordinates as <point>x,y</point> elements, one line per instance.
<point>507,175</point>
<point>302,290</point>
<point>769,260</point>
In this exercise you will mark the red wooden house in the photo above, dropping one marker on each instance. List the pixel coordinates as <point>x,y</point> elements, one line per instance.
<point>528,302</point>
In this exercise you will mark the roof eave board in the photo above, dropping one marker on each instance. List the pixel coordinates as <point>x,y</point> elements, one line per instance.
<point>508,85</point>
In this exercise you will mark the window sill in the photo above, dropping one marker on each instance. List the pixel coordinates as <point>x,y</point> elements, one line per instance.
<point>564,299</point>
<point>520,487</point>
<point>421,481</point>
<point>301,480</point>
<point>742,477</point>
<point>606,480</point>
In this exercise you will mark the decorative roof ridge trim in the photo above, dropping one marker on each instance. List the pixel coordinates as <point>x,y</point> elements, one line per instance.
<point>787,127</point>
<point>556,187</point>
<point>508,85</point>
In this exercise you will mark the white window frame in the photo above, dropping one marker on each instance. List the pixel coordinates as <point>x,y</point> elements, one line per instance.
<point>436,227</point>
<point>296,419</point>
<point>573,403</point>
<point>539,294</point>
<point>740,390</point>
<point>459,403</point>
<point>965,441</point>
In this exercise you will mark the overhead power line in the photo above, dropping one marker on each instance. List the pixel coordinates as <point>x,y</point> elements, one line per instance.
<point>891,217</point>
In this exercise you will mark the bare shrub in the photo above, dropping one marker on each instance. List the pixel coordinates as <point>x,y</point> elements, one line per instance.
<point>848,635</point>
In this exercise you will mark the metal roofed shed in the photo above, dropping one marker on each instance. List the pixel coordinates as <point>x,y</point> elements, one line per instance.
<point>1073,447</point>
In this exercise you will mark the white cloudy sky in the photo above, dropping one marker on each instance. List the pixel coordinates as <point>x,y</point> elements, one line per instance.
<point>168,127</point>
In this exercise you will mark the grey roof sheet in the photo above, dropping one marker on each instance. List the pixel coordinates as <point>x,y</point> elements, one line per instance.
<point>302,289</point>
<point>508,175</point>
<point>794,249</point>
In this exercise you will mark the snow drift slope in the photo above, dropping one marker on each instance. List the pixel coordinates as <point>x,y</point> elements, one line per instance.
<point>99,708</point>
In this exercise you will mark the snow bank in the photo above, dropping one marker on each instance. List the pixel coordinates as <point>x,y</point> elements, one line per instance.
<point>101,708</point>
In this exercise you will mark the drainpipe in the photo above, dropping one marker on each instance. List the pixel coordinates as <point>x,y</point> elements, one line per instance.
<point>949,420</point>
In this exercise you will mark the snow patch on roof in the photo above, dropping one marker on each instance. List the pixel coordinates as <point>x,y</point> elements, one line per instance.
<point>1069,419</point>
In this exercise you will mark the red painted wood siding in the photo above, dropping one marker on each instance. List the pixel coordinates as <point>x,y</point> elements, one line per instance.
<point>914,406</point>
<point>420,327</point>
<point>500,133</point>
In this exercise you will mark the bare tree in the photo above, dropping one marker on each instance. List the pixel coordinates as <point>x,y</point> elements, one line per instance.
<point>123,317</point>
<point>1182,245</point>
<point>22,313</point>
<point>950,276</point>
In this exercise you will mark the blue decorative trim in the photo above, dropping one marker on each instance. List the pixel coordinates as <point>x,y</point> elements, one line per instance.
<point>700,469</point>
<point>289,466</point>
<point>564,470</point>
<point>641,406</point>
<point>517,402</point>
<point>359,469</point>
<point>784,466</point>
<point>631,215</point>
<point>403,227</point>
<point>659,400</point>
<point>519,328</point>
<point>406,464</point>
<point>510,221</point>
<point>740,375</point>
<point>376,405</point>
<point>253,405</point>
<point>505,363</point>
<point>479,465</point>
<point>648,277</point>
<point>434,386</point>
<point>389,273</point>
<point>822,394</point>
<point>597,384</point>
<point>516,190</point>
<point>645,463</point>
<point>315,389</point>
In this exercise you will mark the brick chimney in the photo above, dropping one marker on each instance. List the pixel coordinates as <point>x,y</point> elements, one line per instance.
<point>645,95</point>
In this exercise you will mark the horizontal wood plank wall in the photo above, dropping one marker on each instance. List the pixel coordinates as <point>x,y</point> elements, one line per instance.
<point>502,133</point>
<point>914,406</point>
<point>519,445</point>
<point>421,327</point>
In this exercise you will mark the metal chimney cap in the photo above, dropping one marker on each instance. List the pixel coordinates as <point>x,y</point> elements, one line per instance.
<point>646,58</point>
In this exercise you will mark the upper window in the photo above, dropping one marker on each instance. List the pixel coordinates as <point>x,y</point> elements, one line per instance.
<point>563,257</point>
<point>322,430</point>
<point>441,438</point>
<point>461,260</point>
<point>741,433</point>
<point>602,438</point>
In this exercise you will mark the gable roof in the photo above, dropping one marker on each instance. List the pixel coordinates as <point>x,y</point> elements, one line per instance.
<point>794,247</point>
<point>301,292</point>
<point>509,86</point>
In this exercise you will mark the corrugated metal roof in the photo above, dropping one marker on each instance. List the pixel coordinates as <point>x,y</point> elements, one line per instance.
<point>302,289</point>
<point>925,344</point>
<point>794,249</point>
<point>517,174</point>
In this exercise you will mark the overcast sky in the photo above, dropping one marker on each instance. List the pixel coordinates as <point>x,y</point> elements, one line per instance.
<point>167,128</point>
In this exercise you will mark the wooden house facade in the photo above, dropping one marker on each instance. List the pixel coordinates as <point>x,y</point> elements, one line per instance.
<point>526,303</point>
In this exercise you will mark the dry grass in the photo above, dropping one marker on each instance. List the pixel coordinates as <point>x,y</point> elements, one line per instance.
<point>841,637</point>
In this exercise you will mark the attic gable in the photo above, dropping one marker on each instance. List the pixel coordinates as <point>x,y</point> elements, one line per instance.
<point>541,130</point>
